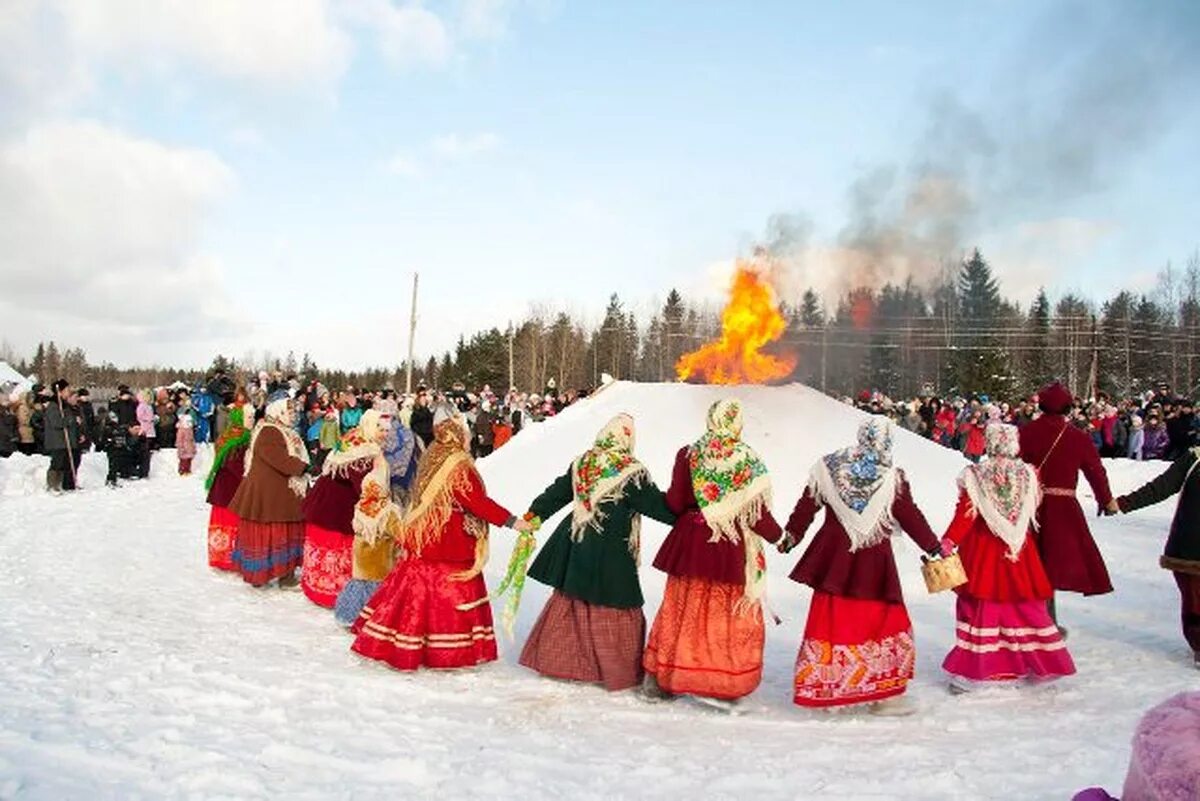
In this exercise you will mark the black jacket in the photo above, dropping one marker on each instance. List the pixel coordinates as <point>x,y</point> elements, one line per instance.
<point>8,431</point>
<point>422,424</point>
<point>1182,551</point>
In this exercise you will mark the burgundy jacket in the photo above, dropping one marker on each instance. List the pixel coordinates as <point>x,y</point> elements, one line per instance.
<point>687,551</point>
<point>1069,554</point>
<point>869,573</point>
<point>330,502</point>
<point>229,477</point>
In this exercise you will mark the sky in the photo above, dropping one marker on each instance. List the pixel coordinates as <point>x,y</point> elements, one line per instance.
<point>179,179</point>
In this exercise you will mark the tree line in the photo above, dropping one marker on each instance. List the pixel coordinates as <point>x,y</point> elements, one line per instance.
<point>960,334</point>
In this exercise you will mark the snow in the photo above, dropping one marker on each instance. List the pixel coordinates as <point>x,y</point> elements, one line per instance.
<point>131,670</point>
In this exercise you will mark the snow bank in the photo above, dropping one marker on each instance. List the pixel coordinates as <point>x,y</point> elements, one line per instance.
<point>130,670</point>
<point>26,475</point>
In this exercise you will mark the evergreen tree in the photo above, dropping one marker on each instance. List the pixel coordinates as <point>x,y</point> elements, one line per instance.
<point>674,317</point>
<point>812,313</point>
<point>1037,364</point>
<point>53,363</point>
<point>1116,344</point>
<point>39,364</point>
<point>980,364</point>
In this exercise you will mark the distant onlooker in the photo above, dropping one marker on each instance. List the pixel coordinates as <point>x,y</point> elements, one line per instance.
<point>8,430</point>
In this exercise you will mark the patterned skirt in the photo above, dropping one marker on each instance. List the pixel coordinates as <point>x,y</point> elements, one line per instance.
<point>579,641</point>
<point>854,651</point>
<point>327,563</point>
<point>266,551</point>
<point>1006,641</point>
<point>222,534</point>
<point>699,644</point>
<point>413,621</point>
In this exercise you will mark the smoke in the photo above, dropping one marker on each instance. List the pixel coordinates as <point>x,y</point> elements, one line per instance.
<point>1088,91</point>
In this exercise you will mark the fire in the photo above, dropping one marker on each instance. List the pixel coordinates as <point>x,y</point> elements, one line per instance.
<point>862,308</point>
<point>750,321</point>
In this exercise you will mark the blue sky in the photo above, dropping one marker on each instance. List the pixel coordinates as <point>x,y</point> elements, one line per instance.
<point>268,177</point>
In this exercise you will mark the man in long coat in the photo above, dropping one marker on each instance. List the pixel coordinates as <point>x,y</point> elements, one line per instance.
<point>1059,451</point>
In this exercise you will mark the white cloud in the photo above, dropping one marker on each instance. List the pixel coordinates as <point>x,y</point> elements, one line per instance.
<point>248,137</point>
<point>270,42</point>
<point>485,19</point>
<point>408,35</point>
<point>98,236</point>
<point>458,146</point>
<point>400,164</point>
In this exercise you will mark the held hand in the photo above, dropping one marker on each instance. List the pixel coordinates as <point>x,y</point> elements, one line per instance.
<point>1111,508</point>
<point>947,546</point>
<point>523,526</point>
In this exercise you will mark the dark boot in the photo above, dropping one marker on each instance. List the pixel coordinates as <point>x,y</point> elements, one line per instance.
<point>54,481</point>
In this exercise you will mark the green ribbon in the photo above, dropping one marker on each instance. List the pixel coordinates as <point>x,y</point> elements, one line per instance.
<point>514,579</point>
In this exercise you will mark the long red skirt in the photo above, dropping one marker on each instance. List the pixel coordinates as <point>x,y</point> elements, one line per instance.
<point>328,559</point>
<point>267,551</point>
<point>222,534</point>
<point>1006,641</point>
<point>579,641</point>
<point>700,645</point>
<point>854,651</point>
<point>412,620</point>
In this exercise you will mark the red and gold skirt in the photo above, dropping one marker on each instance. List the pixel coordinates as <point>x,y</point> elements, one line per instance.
<point>579,641</point>
<point>328,557</point>
<point>267,551</point>
<point>222,535</point>
<point>854,651</point>
<point>412,620</point>
<point>699,644</point>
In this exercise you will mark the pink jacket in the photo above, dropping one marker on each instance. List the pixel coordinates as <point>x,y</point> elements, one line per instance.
<point>145,418</point>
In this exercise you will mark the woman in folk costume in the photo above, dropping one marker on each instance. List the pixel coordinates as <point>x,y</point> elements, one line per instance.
<point>270,540</point>
<point>858,644</point>
<point>330,509</point>
<point>1059,452</point>
<point>432,609</point>
<point>222,483</point>
<point>707,639</point>
<point>592,629</point>
<point>1004,631</point>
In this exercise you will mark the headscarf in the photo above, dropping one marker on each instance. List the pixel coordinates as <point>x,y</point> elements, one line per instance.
<point>398,449</point>
<point>729,480</point>
<point>601,474</point>
<point>277,406</point>
<point>356,448</point>
<point>235,436</point>
<point>1003,489</point>
<point>858,484</point>
<point>445,469</point>
<point>733,490</point>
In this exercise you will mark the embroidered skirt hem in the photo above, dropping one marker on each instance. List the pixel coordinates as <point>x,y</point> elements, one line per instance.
<point>327,564</point>
<point>222,536</point>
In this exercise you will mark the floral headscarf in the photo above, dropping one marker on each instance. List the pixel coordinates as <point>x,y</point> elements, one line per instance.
<point>859,484</point>
<point>602,472</point>
<point>733,490</point>
<point>1003,489</point>
<point>235,436</point>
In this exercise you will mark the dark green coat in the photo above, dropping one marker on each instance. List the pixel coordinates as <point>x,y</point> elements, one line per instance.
<point>1182,551</point>
<point>599,569</point>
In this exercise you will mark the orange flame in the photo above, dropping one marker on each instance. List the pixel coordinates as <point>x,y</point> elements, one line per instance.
<point>749,321</point>
<point>862,308</point>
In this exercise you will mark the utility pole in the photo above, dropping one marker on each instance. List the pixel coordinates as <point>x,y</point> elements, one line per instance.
<point>412,335</point>
<point>824,352</point>
<point>512,378</point>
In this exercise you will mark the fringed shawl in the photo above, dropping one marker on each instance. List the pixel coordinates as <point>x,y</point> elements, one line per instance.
<point>295,448</point>
<point>859,485</point>
<point>1003,489</point>
<point>375,515</point>
<point>445,470</point>
<point>601,474</point>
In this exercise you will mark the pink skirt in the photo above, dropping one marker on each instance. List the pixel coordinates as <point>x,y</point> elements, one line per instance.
<point>1006,641</point>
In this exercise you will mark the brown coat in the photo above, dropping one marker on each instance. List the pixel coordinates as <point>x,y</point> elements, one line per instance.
<point>264,495</point>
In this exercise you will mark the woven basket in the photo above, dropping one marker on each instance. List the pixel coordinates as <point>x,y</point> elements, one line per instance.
<point>944,574</point>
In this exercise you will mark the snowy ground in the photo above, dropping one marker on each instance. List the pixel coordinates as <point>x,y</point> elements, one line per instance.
<point>130,670</point>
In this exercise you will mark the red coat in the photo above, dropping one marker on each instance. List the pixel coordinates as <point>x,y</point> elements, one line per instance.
<point>868,573</point>
<point>1069,554</point>
<point>455,544</point>
<point>687,551</point>
<point>991,575</point>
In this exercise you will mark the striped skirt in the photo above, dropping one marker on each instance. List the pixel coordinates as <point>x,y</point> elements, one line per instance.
<point>855,651</point>
<point>267,551</point>
<point>413,619</point>
<point>579,641</point>
<point>1006,641</point>
<point>701,645</point>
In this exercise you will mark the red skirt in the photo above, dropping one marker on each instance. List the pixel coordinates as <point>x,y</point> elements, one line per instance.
<point>222,534</point>
<point>412,620</point>
<point>267,551</point>
<point>328,557</point>
<point>1006,641</point>
<point>579,641</point>
<point>701,645</point>
<point>854,651</point>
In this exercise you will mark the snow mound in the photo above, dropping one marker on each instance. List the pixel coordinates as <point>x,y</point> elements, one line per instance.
<point>26,475</point>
